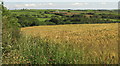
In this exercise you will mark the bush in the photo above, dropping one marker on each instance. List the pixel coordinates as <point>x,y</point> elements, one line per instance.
<point>28,21</point>
<point>11,31</point>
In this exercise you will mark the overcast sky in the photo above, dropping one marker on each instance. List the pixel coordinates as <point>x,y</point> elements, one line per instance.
<point>61,4</point>
<point>60,0</point>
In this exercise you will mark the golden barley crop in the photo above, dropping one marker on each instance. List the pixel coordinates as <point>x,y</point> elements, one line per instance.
<point>97,40</point>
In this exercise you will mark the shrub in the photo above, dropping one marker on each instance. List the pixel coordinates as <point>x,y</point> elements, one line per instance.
<point>11,31</point>
<point>28,21</point>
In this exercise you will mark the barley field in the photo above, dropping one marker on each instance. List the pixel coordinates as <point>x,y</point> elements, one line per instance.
<point>89,43</point>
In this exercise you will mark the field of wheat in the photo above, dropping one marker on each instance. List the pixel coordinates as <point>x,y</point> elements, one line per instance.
<point>98,41</point>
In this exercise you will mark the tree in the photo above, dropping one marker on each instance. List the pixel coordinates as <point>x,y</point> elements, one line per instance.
<point>56,20</point>
<point>28,21</point>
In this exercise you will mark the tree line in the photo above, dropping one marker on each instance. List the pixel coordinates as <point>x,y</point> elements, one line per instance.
<point>26,20</point>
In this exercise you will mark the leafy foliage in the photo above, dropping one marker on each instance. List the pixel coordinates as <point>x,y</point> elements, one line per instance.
<point>10,32</point>
<point>28,21</point>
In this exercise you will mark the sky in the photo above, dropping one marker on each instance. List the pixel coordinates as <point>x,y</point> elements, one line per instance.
<point>61,4</point>
<point>60,0</point>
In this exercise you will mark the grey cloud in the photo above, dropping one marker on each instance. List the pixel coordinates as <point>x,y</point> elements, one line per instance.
<point>67,5</point>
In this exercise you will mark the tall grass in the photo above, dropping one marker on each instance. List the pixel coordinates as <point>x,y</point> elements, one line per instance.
<point>41,51</point>
<point>36,50</point>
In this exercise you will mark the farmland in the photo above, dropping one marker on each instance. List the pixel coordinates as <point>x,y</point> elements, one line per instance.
<point>61,32</point>
<point>51,36</point>
<point>61,17</point>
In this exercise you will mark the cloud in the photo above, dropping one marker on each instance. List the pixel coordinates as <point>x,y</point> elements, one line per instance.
<point>79,4</point>
<point>103,3</point>
<point>25,5</point>
<point>50,4</point>
<point>31,5</point>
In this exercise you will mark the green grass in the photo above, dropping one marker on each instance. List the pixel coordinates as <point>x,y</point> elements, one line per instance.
<point>43,19</point>
<point>40,51</point>
<point>24,12</point>
<point>92,11</point>
<point>113,19</point>
<point>49,15</point>
<point>36,50</point>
